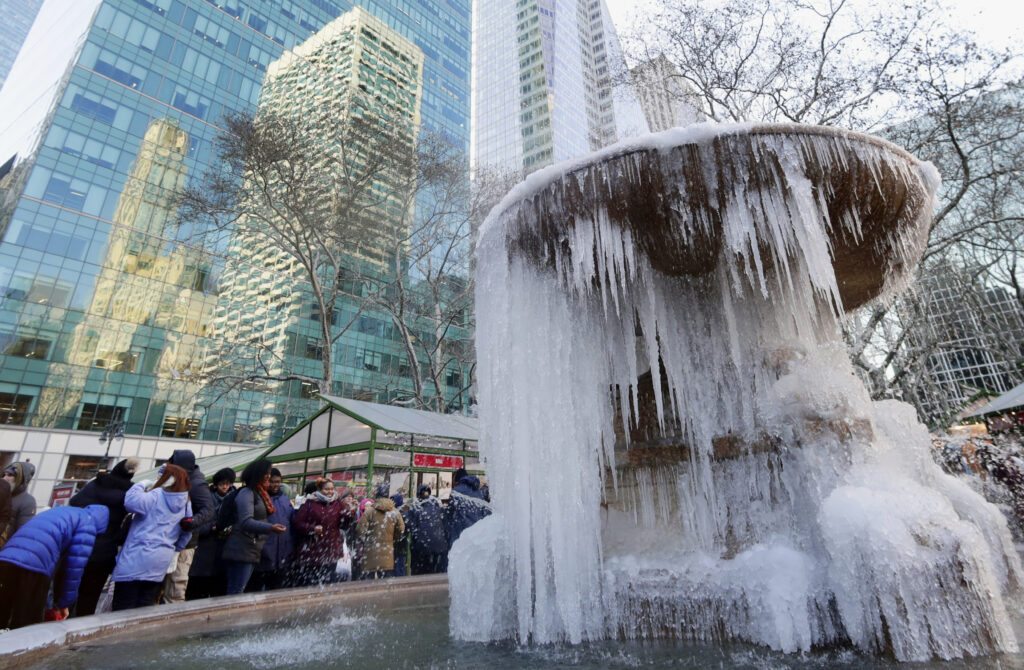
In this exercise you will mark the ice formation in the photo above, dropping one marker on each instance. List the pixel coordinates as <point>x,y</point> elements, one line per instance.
<point>792,510</point>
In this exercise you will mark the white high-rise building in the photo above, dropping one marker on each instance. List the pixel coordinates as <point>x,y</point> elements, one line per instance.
<point>544,87</point>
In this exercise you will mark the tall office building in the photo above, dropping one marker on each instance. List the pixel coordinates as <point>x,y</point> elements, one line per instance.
<point>667,101</point>
<point>17,16</point>
<point>354,68</point>
<point>973,337</point>
<point>107,312</point>
<point>544,84</point>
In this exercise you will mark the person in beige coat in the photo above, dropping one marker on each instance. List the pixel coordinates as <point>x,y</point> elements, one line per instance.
<point>379,527</point>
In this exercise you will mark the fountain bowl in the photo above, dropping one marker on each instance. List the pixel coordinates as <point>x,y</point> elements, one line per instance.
<point>672,190</point>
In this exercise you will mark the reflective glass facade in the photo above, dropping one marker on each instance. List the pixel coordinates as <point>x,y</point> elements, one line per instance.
<point>104,314</point>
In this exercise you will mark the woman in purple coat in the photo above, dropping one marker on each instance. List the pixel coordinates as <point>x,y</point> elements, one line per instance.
<point>320,526</point>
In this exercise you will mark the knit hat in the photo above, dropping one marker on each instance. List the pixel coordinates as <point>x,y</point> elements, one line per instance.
<point>125,469</point>
<point>398,499</point>
<point>346,492</point>
<point>423,488</point>
<point>383,491</point>
<point>459,474</point>
<point>224,475</point>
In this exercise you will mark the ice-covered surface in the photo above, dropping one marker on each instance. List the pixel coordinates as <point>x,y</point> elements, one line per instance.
<point>844,531</point>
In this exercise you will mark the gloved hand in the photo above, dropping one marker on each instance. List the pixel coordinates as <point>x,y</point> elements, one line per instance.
<point>147,484</point>
<point>186,523</point>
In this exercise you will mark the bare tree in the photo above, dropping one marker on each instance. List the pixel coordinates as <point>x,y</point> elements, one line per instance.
<point>901,71</point>
<point>364,222</point>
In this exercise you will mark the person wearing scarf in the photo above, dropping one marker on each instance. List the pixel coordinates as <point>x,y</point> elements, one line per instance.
<point>321,526</point>
<point>249,533</point>
<point>272,569</point>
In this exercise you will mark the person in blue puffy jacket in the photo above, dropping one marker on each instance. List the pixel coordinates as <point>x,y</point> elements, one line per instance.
<point>60,541</point>
<point>157,532</point>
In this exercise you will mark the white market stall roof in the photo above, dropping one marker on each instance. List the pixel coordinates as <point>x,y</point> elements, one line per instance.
<point>236,460</point>
<point>343,422</point>
<point>414,421</point>
<point>1012,398</point>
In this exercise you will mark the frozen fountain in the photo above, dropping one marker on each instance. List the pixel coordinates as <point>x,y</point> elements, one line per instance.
<point>677,444</point>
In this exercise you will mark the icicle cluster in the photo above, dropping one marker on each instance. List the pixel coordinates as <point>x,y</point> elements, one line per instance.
<point>842,531</point>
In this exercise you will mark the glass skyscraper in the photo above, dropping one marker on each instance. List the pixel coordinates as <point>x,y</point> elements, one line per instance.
<point>18,16</point>
<point>543,88</point>
<point>106,314</point>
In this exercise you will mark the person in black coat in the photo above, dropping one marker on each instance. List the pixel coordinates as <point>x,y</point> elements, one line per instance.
<point>107,489</point>
<point>5,508</point>
<point>206,577</point>
<point>203,512</point>
<point>426,528</point>
<point>466,505</point>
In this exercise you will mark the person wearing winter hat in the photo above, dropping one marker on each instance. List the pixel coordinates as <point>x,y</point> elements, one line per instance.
<point>62,536</point>
<point>466,505</point>
<point>429,543</point>
<point>402,543</point>
<point>206,575</point>
<point>321,526</point>
<point>23,505</point>
<point>155,535</point>
<point>380,527</point>
<point>107,489</point>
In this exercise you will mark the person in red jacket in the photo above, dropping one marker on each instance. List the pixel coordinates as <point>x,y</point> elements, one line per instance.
<point>320,527</point>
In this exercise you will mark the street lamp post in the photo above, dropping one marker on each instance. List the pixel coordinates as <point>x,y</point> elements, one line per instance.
<point>114,430</point>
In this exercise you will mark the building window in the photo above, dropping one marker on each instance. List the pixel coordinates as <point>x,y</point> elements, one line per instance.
<point>14,408</point>
<point>175,426</point>
<point>30,347</point>
<point>314,349</point>
<point>83,468</point>
<point>98,417</point>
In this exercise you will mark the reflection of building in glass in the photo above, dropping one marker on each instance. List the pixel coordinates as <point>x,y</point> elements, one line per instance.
<point>543,83</point>
<point>134,106</point>
<point>143,282</point>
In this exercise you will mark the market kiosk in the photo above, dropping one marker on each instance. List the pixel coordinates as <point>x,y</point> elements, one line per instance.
<point>363,445</point>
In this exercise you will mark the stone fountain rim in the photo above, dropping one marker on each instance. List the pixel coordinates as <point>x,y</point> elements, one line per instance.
<point>31,645</point>
<point>695,134</point>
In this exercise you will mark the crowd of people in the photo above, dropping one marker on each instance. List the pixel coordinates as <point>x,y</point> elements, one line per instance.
<point>179,538</point>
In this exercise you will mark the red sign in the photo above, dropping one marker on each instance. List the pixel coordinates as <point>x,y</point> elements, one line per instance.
<point>437,461</point>
<point>61,495</point>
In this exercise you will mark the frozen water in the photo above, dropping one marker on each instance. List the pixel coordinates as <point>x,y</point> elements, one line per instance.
<point>831,524</point>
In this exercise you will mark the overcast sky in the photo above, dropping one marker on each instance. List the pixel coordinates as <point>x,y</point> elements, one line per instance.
<point>996,22</point>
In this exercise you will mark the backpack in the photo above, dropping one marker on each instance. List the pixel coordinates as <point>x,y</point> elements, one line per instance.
<point>228,514</point>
